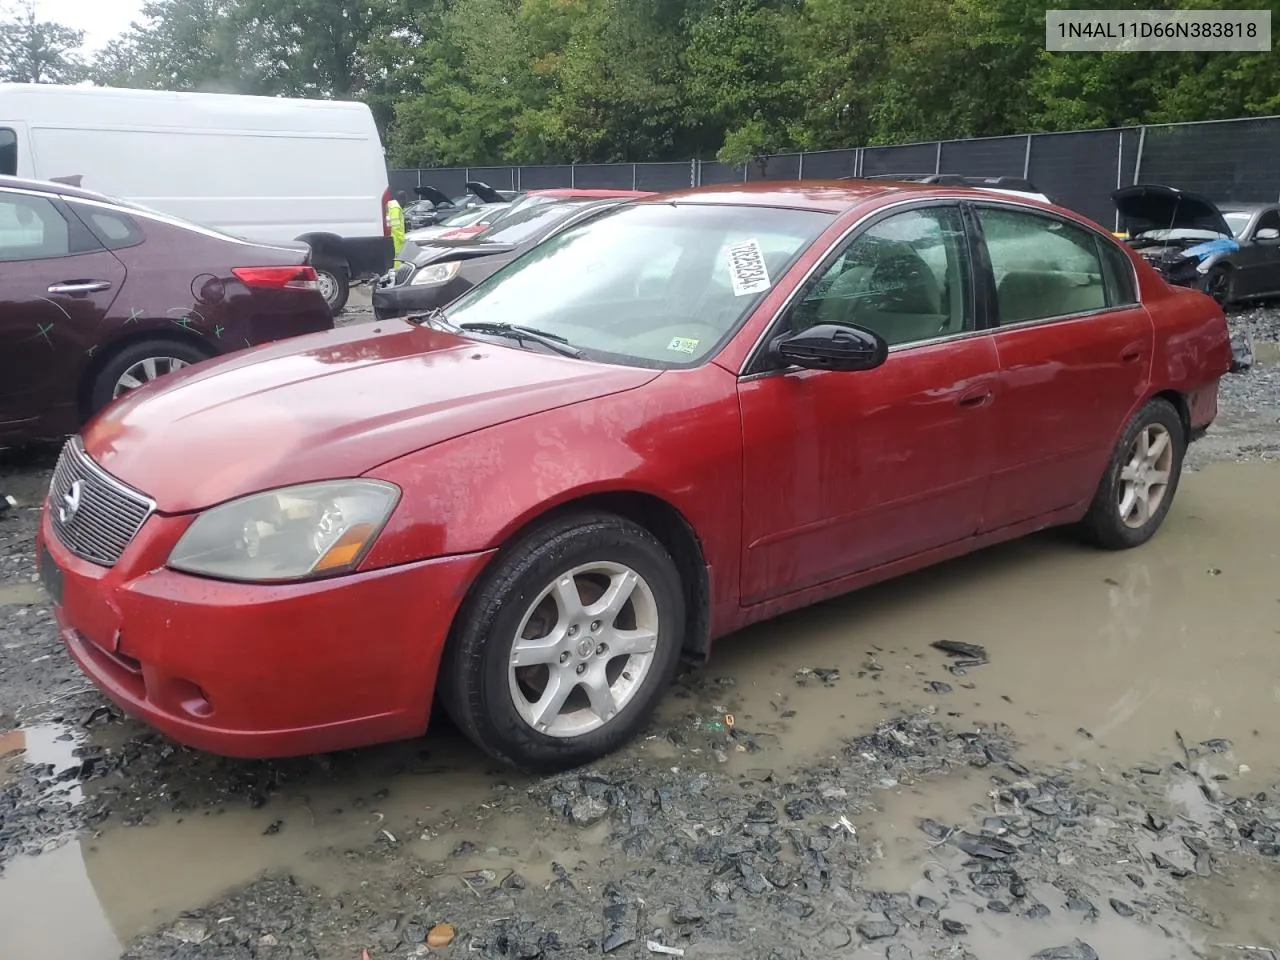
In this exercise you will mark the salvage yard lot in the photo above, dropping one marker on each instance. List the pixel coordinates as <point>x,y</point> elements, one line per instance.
<point>1103,781</point>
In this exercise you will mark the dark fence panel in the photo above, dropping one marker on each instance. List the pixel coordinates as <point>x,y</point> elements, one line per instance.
<point>1078,170</point>
<point>1232,160</point>
<point>1237,161</point>
<point>830,164</point>
<point>1002,157</point>
<point>545,178</point>
<point>663,176</point>
<point>785,166</point>
<point>451,181</point>
<point>403,181</point>
<point>604,176</point>
<point>908,158</point>
<point>710,172</point>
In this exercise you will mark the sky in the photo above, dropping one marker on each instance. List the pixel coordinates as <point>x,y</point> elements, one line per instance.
<point>101,20</point>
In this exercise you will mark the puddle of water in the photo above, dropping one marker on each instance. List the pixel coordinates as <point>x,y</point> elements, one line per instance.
<point>21,594</point>
<point>1102,656</point>
<point>50,908</point>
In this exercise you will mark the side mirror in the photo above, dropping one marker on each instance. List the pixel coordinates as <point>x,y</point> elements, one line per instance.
<point>1268,233</point>
<point>831,346</point>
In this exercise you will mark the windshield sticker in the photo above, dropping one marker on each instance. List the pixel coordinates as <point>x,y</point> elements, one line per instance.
<point>683,344</point>
<point>746,269</point>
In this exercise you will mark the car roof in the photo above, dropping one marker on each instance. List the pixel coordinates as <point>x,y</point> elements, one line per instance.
<point>573,193</point>
<point>829,196</point>
<point>50,186</point>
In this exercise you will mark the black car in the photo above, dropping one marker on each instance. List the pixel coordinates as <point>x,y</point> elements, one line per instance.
<point>435,204</point>
<point>440,271</point>
<point>1231,252</point>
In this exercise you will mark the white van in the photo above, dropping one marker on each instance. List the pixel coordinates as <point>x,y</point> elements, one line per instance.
<point>262,168</point>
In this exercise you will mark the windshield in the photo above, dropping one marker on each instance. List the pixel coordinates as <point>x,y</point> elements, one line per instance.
<point>464,217</point>
<point>655,285</point>
<point>520,225</point>
<point>1238,222</point>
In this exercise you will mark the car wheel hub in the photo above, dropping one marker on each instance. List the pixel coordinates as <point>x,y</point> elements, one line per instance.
<point>1144,478</point>
<point>583,649</point>
<point>144,371</point>
<point>327,285</point>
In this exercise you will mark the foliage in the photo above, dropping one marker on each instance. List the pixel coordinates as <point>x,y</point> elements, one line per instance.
<point>37,51</point>
<point>556,81</point>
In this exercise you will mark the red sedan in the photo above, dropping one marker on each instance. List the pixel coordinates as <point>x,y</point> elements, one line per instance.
<point>685,415</point>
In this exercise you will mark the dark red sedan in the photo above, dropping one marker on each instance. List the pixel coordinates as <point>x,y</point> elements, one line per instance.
<point>684,415</point>
<point>98,297</point>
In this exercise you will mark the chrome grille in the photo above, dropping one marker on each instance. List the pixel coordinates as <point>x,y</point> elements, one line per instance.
<point>403,273</point>
<point>94,514</point>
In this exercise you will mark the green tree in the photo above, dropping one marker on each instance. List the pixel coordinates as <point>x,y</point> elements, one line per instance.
<point>38,51</point>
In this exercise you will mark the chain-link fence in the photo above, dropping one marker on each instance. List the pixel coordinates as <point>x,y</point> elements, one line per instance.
<point>1227,160</point>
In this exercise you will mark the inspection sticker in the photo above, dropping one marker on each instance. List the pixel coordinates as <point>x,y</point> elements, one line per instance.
<point>683,345</point>
<point>746,268</point>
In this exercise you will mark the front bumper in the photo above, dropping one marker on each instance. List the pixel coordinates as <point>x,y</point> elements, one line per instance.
<point>249,670</point>
<point>405,299</point>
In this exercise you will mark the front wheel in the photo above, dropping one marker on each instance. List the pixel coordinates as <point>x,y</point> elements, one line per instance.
<point>562,652</point>
<point>1219,284</point>
<point>1138,487</point>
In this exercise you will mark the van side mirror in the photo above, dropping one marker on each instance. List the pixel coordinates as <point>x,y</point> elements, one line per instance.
<point>832,346</point>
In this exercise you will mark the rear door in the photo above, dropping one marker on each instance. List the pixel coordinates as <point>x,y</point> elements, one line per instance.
<point>1075,349</point>
<point>57,286</point>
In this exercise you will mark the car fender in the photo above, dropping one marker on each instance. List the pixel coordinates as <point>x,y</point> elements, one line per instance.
<point>678,439</point>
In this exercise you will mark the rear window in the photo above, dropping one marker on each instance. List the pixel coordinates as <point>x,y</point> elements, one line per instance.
<point>8,152</point>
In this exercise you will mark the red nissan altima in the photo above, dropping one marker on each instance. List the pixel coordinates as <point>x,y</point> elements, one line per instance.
<point>680,416</point>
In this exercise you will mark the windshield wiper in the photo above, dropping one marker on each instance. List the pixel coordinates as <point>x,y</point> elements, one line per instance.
<point>434,317</point>
<point>552,341</point>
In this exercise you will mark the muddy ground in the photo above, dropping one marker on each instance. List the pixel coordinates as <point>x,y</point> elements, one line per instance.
<point>1105,783</point>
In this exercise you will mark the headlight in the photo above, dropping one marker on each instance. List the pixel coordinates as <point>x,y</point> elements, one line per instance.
<point>435,274</point>
<point>294,533</point>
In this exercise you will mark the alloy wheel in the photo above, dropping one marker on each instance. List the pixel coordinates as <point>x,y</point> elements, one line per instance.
<point>144,371</point>
<point>583,649</point>
<point>1144,478</point>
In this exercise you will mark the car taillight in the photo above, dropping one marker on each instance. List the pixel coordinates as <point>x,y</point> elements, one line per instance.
<point>386,216</point>
<point>278,278</point>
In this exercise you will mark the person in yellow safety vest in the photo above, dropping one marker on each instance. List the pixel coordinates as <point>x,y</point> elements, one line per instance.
<point>395,221</point>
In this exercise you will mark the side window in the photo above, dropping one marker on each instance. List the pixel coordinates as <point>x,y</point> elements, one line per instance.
<point>1117,271</point>
<point>8,152</point>
<point>907,278</point>
<point>113,228</point>
<point>31,228</point>
<point>1043,267</point>
<point>1268,221</point>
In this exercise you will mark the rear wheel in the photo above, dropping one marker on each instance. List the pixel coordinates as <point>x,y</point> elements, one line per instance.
<point>137,365</point>
<point>335,285</point>
<point>563,651</point>
<point>1137,490</point>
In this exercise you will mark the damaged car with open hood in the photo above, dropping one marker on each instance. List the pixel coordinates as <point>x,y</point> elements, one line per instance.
<point>1231,252</point>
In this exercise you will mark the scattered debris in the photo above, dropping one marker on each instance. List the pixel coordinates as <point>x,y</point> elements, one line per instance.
<point>441,936</point>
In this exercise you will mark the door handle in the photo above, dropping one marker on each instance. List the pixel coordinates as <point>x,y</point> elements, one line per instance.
<point>1132,355</point>
<point>974,398</point>
<point>77,287</point>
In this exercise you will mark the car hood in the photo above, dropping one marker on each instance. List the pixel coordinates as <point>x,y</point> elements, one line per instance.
<point>1153,206</point>
<point>435,249</point>
<point>326,406</point>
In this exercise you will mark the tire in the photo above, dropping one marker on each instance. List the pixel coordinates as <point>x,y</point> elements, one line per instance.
<point>496,703</point>
<point>1219,284</point>
<point>141,362</point>
<point>335,285</point>
<point>1105,525</point>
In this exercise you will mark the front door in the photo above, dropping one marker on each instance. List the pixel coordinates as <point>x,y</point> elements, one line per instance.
<point>57,285</point>
<point>1075,349</point>
<point>1258,261</point>
<point>844,471</point>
